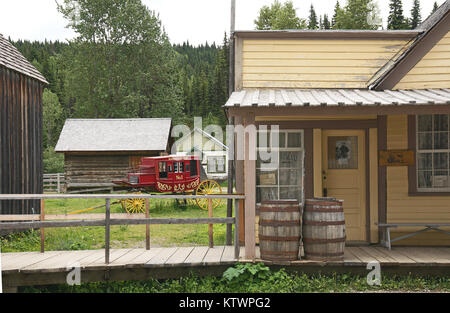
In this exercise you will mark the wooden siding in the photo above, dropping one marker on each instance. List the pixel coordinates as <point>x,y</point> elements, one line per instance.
<point>402,208</point>
<point>433,71</point>
<point>86,171</point>
<point>314,63</point>
<point>20,140</point>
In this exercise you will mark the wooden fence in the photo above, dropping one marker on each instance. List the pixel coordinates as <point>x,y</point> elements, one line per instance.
<point>42,221</point>
<point>54,182</point>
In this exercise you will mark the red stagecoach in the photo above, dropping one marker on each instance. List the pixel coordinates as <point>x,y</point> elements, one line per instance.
<point>168,174</point>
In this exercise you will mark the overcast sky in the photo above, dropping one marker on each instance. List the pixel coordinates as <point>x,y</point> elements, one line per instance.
<point>194,20</point>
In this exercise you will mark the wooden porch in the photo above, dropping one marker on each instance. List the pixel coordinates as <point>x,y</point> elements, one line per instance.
<point>52,267</point>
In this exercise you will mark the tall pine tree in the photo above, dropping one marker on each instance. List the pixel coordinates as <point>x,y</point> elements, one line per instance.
<point>415,15</point>
<point>396,20</point>
<point>326,22</point>
<point>313,23</point>
<point>337,11</point>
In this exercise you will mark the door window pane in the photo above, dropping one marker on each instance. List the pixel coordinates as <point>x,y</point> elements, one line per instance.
<point>342,152</point>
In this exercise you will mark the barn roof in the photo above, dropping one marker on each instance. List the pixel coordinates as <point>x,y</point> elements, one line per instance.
<point>113,135</point>
<point>335,97</point>
<point>11,58</point>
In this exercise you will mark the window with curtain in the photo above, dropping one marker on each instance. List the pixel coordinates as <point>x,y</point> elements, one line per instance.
<point>433,153</point>
<point>283,179</point>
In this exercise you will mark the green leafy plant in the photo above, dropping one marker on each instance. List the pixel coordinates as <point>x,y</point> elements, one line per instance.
<point>247,272</point>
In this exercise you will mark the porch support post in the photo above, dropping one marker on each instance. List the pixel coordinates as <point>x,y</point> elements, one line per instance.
<point>239,177</point>
<point>250,189</point>
<point>382,177</point>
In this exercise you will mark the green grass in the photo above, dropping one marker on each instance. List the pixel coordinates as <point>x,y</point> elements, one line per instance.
<point>129,236</point>
<point>259,278</point>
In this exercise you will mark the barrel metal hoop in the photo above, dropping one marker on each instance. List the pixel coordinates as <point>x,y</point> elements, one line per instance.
<point>277,209</point>
<point>276,223</point>
<point>323,223</point>
<point>313,240</point>
<point>273,238</point>
<point>324,209</point>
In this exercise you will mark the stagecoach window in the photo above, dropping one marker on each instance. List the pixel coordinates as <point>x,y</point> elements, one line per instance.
<point>163,169</point>
<point>193,165</point>
<point>282,176</point>
<point>175,167</point>
<point>181,167</point>
<point>433,152</point>
<point>187,167</point>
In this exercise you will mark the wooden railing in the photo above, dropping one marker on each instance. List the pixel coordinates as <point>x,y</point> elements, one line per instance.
<point>54,182</point>
<point>42,221</point>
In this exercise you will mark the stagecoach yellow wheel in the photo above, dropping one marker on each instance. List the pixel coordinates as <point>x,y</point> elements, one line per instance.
<point>208,187</point>
<point>133,205</point>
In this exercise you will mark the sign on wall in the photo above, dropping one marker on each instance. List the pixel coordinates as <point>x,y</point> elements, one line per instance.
<point>396,158</point>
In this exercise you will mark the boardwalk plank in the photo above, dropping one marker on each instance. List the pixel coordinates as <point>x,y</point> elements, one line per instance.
<point>362,255</point>
<point>161,257</point>
<point>228,254</point>
<point>381,257</point>
<point>57,263</point>
<point>27,260</point>
<point>350,258</point>
<point>128,257</point>
<point>415,254</point>
<point>114,255</point>
<point>179,256</point>
<point>196,256</point>
<point>213,255</point>
<point>142,259</point>
<point>398,257</point>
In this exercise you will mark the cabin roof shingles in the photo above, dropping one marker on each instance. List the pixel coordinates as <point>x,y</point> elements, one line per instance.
<point>11,58</point>
<point>113,135</point>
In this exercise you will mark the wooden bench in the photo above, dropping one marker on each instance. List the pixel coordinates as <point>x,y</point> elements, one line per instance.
<point>426,227</point>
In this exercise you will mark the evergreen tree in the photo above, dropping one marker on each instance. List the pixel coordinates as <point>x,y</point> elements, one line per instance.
<point>396,20</point>
<point>415,15</point>
<point>357,14</point>
<point>279,16</point>
<point>312,21</point>
<point>326,22</point>
<point>435,7</point>
<point>337,11</point>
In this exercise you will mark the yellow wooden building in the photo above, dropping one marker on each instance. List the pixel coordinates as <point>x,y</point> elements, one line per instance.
<point>363,116</point>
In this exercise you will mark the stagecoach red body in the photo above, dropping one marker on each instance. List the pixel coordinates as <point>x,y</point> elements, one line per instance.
<point>165,174</point>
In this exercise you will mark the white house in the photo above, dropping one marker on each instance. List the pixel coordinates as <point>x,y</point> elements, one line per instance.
<point>214,154</point>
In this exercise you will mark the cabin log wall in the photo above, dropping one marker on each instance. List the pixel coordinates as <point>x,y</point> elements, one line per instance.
<point>21,166</point>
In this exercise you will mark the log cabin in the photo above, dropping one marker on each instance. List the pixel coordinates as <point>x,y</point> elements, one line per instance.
<point>21,169</point>
<point>98,151</point>
<point>362,116</point>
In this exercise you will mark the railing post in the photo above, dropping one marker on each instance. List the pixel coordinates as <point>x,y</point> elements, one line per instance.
<point>210,226</point>
<point>107,229</point>
<point>237,247</point>
<point>58,182</point>
<point>147,226</point>
<point>42,218</point>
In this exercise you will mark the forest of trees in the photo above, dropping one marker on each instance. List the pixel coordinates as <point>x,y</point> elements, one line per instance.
<point>347,14</point>
<point>117,68</point>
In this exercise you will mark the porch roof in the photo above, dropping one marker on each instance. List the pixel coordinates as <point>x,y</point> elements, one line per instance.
<point>335,97</point>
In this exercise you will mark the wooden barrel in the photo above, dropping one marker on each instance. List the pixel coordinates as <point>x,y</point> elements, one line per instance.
<point>279,230</point>
<point>324,229</point>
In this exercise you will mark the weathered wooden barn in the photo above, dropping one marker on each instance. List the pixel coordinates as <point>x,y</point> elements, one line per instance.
<point>21,169</point>
<point>98,151</point>
<point>363,116</point>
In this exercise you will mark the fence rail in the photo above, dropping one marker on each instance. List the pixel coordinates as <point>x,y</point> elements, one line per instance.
<point>54,182</point>
<point>107,221</point>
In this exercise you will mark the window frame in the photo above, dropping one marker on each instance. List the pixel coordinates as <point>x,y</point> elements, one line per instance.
<point>216,171</point>
<point>413,189</point>
<point>287,149</point>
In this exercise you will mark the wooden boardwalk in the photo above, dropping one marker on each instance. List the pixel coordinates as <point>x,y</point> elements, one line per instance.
<point>52,267</point>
